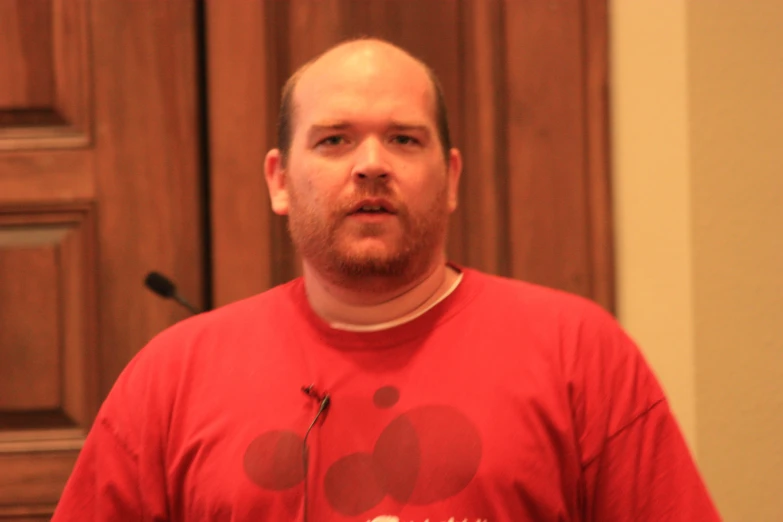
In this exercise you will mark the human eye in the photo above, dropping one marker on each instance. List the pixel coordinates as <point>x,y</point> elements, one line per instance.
<point>404,139</point>
<point>331,141</point>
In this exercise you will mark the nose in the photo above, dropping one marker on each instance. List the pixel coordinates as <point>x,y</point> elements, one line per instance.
<point>371,162</point>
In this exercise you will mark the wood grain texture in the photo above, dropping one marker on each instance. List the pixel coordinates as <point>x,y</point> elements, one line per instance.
<point>483,218</point>
<point>120,205</point>
<point>26,54</point>
<point>71,64</point>
<point>50,439</point>
<point>46,131</point>
<point>598,167</point>
<point>79,315</point>
<point>35,514</point>
<point>147,166</point>
<point>29,177</point>
<point>30,332</point>
<point>48,336</point>
<point>33,480</point>
<point>44,88</point>
<point>241,131</point>
<point>546,144</point>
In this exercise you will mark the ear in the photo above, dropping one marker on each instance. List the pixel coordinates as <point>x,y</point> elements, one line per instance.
<point>454,172</point>
<point>276,182</point>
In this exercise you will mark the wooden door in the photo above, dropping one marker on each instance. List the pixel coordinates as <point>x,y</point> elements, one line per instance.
<point>99,184</point>
<point>525,85</point>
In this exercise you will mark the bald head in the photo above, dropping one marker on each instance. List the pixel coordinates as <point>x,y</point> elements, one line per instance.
<point>362,60</point>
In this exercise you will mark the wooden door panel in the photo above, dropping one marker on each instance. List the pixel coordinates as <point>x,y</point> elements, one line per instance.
<point>47,306</point>
<point>48,348</point>
<point>44,88</point>
<point>48,317</point>
<point>29,332</point>
<point>99,184</point>
<point>147,168</point>
<point>597,149</point>
<point>241,116</point>
<point>546,143</point>
<point>29,177</point>
<point>481,220</point>
<point>32,476</point>
<point>27,51</point>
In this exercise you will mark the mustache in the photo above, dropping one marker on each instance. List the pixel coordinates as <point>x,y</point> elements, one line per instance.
<point>369,192</point>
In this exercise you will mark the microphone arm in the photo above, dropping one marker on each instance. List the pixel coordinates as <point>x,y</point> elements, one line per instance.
<point>165,288</point>
<point>181,300</point>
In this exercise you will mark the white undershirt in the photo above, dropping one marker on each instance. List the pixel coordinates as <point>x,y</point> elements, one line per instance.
<point>401,320</point>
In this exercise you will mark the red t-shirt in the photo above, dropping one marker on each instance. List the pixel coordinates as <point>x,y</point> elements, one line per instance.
<point>505,402</point>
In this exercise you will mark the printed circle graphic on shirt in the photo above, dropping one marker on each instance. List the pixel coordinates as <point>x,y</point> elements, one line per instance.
<point>423,456</point>
<point>351,484</point>
<point>386,397</point>
<point>274,460</point>
<point>427,454</point>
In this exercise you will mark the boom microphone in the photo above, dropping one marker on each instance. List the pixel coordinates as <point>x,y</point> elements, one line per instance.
<point>164,287</point>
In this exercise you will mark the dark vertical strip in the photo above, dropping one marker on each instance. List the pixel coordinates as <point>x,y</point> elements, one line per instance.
<point>461,140</point>
<point>279,67</point>
<point>587,179</point>
<point>202,97</point>
<point>597,166</point>
<point>502,173</point>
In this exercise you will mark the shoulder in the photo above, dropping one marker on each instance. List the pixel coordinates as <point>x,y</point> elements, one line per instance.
<point>608,378</point>
<point>191,351</point>
<point>251,316</point>
<point>578,333</point>
<point>517,297</point>
<point>214,335</point>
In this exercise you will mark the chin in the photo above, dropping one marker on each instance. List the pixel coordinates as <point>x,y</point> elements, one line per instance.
<point>370,249</point>
<point>372,262</point>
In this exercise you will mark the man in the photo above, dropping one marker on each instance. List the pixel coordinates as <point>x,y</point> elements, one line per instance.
<point>385,384</point>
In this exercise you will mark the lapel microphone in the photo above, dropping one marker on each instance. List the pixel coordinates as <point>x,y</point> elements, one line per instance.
<point>325,400</point>
<point>321,397</point>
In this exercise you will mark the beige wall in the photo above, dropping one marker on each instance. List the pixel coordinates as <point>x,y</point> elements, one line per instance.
<point>698,172</point>
<point>652,191</point>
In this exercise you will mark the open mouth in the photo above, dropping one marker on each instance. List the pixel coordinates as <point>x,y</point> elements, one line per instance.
<point>371,209</point>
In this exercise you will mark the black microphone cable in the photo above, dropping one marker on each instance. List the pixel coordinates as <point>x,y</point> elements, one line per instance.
<point>325,401</point>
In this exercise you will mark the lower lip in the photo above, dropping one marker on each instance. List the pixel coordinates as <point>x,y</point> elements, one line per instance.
<point>369,217</point>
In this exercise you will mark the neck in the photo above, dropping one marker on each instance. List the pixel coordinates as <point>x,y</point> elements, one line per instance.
<point>350,306</point>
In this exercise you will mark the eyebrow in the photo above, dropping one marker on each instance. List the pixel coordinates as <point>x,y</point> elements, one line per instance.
<point>331,125</point>
<point>341,125</point>
<point>410,127</point>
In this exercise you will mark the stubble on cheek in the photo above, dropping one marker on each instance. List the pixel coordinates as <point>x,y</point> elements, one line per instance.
<point>324,235</point>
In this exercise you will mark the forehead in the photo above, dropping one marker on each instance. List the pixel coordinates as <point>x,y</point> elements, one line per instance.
<point>365,86</point>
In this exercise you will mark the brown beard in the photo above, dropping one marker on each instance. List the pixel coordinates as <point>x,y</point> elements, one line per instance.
<point>319,241</point>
